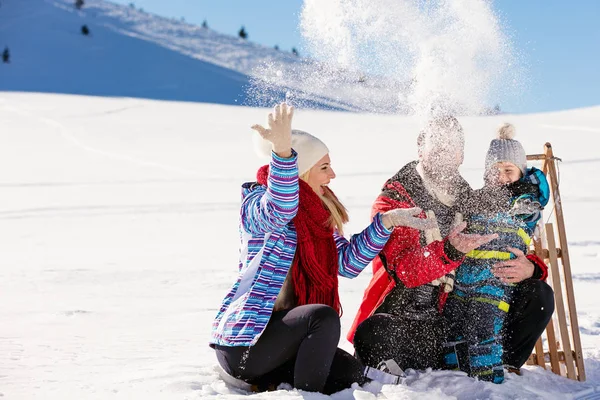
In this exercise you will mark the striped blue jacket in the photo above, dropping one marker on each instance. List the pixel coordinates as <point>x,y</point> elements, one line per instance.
<point>268,245</point>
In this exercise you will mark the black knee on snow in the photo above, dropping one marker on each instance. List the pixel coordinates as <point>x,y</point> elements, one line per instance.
<point>540,296</point>
<point>325,318</point>
<point>371,326</point>
<point>370,340</point>
<point>546,296</point>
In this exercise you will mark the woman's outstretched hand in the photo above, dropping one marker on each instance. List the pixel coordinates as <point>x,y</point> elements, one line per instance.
<point>280,130</point>
<point>407,217</point>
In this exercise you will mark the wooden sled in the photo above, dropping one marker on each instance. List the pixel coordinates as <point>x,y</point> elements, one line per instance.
<point>561,351</point>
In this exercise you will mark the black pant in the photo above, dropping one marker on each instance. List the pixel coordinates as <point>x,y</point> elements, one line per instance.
<point>530,311</point>
<point>298,346</point>
<point>418,344</point>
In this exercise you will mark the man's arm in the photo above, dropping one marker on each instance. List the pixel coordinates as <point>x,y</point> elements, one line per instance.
<point>414,264</point>
<point>540,268</point>
<point>521,268</point>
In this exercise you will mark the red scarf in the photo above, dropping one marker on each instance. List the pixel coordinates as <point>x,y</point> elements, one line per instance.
<point>315,265</point>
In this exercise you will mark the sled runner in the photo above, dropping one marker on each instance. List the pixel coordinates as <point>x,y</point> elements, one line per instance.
<point>561,351</point>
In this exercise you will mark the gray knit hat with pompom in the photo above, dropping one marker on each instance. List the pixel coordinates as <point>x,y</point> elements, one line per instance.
<point>506,149</point>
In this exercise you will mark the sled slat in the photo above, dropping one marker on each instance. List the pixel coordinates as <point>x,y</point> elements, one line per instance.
<point>547,158</point>
<point>537,357</point>
<point>559,300</point>
<point>535,157</point>
<point>532,360</point>
<point>544,254</point>
<point>539,349</point>
<point>564,341</point>
<point>553,353</point>
<point>539,250</point>
<point>566,263</point>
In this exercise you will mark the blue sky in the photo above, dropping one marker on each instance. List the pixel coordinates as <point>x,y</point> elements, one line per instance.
<point>559,40</point>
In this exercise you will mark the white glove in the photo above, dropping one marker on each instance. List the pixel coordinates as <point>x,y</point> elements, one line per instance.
<point>446,281</point>
<point>407,217</point>
<point>280,130</point>
<point>431,235</point>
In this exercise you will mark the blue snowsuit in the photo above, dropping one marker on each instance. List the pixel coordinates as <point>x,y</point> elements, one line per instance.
<point>477,307</point>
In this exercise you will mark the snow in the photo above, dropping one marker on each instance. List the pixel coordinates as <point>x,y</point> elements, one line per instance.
<point>131,53</point>
<point>452,54</point>
<point>119,231</point>
<point>119,197</point>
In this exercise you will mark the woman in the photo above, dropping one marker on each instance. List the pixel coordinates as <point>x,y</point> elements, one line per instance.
<point>280,320</point>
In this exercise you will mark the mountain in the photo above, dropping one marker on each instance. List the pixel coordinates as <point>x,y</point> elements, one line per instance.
<point>131,53</point>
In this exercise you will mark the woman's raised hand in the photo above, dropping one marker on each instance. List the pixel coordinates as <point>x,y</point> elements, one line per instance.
<point>280,130</point>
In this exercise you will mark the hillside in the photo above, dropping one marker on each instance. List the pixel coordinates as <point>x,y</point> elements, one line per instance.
<point>131,53</point>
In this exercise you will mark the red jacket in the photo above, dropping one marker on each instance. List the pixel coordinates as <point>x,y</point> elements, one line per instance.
<point>414,264</point>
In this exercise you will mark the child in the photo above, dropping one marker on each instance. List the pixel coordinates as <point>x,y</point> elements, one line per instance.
<point>510,205</point>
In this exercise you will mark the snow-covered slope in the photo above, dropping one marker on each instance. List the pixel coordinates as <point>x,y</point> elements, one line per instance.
<point>131,53</point>
<point>49,54</point>
<point>118,232</point>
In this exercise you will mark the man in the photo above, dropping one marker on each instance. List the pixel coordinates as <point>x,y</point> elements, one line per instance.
<point>400,320</point>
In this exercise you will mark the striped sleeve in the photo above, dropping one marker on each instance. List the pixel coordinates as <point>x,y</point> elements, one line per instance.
<point>269,210</point>
<point>356,254</point>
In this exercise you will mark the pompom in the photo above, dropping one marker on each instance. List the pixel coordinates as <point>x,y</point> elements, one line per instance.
<point>506,131</point>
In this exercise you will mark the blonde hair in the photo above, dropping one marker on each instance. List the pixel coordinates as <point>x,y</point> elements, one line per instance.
<point>339,214</point>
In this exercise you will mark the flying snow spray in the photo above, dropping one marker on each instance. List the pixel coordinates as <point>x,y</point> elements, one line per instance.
<point>417,57</point>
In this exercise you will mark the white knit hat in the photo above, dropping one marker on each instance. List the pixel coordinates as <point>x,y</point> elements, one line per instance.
<point>309,148</point>
<point>506,149</point>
